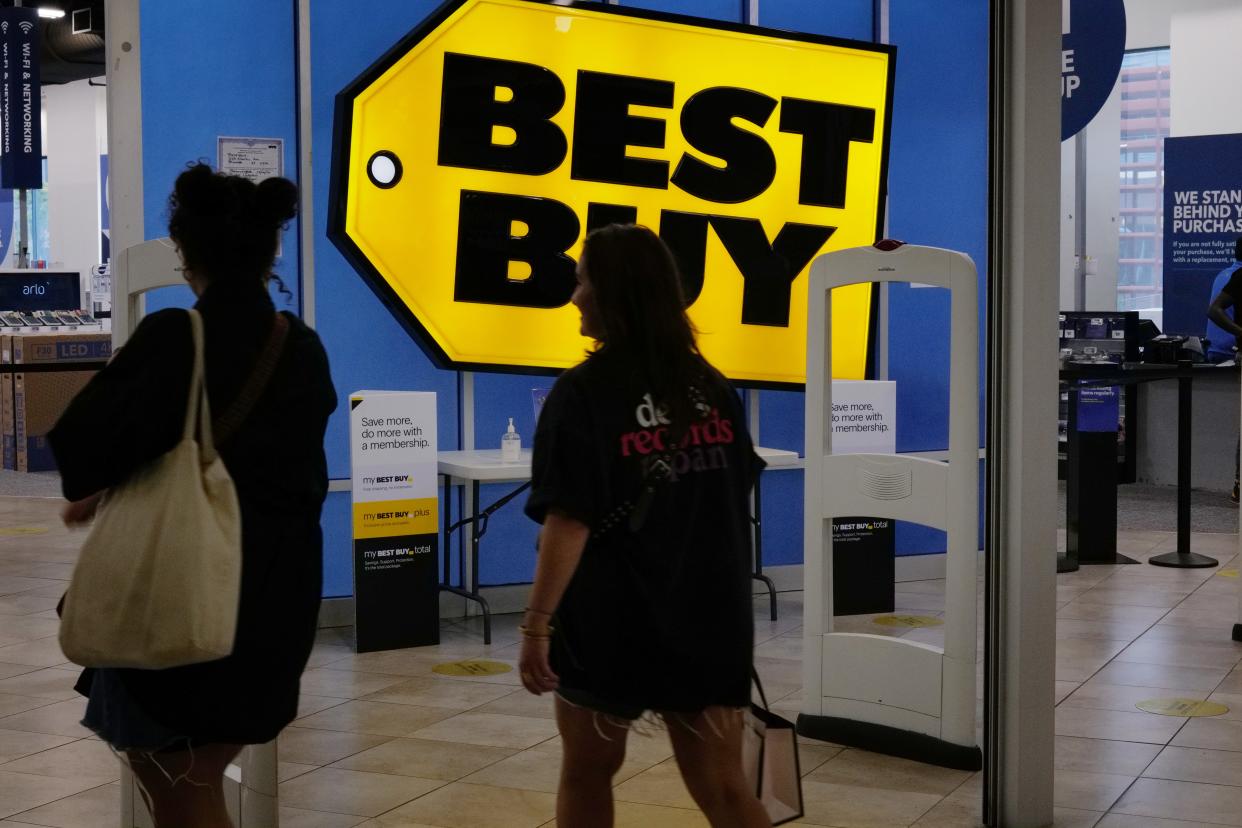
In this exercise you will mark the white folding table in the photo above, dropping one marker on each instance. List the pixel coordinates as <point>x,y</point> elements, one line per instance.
<point>474,468</point>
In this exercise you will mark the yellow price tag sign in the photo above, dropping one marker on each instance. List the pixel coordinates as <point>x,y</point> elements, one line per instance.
<point>1192,708</point>
<point>913,621</point>
<point>473,158</point>
<point>472,667</point>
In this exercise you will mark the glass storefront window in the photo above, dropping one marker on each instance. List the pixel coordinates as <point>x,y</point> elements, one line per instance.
<point>1144,85</point>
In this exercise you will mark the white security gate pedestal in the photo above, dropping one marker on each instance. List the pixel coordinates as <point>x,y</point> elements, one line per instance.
<point>876,692</point>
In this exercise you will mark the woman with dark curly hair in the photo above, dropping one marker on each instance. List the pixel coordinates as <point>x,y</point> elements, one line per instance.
<point>179,728</point>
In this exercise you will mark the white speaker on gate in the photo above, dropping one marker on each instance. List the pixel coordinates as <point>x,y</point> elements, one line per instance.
<point>883,693</point>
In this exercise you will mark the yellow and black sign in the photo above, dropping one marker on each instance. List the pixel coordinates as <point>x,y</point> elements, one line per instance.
<point>392,518</point>
<point>472,159</point>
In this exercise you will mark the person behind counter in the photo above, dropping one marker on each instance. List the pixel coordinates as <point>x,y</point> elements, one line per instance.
<point>1223,331</point>
<point>179,728</point>
<point>642,601</point>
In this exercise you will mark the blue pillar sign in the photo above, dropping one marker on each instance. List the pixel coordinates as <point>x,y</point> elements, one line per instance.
<point>21,133</point>
<point>1093,43</point>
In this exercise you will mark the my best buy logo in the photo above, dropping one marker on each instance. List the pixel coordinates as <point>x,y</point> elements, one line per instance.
<point>473,158</point>
<point>387,516</point>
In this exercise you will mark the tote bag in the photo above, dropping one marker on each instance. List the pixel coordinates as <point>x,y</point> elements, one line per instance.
<point>770,761</point>
<point>158,581</point>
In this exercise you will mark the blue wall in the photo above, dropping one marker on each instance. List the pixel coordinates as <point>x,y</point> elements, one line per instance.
<point>368,349</point>
<point>730,10</point>
<point>835,18</point>
<point>204,75</point>
<point>939,158</point>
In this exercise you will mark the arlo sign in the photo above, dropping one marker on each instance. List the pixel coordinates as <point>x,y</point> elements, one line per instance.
<point>472,159</point>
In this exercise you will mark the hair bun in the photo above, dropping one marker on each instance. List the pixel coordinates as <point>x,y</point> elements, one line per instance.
<point>199,190</point>
<point>277,200</point>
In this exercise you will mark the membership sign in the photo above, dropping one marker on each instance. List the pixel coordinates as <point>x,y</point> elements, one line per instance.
<point>395,519</point>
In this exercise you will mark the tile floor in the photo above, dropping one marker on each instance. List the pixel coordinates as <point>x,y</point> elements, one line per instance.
<point>385,743</point>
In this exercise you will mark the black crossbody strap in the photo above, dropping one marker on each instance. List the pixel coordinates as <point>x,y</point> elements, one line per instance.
<point>228,423</point>
<point>754,674</point>
<point>634,511</point>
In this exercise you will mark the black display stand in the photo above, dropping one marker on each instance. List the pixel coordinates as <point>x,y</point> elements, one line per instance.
<point>1089,335</point>
<point>1090,493</point>
<point>1127,444</point>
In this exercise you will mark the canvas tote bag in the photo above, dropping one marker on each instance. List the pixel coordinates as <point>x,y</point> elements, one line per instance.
<point>770,761</point>
<point>158,582</point>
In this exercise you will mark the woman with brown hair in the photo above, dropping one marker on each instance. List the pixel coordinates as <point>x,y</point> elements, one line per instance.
<point>641,474</point>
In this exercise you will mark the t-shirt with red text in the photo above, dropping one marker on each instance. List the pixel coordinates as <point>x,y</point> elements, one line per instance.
<point>660,618</point>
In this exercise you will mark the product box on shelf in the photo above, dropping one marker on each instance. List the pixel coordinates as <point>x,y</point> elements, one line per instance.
<point>40,397</point>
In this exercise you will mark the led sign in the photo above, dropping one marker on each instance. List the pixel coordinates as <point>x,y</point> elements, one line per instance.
<point>472,159</point>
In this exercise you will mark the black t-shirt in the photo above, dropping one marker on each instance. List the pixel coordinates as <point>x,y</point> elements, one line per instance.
<point>659,618</point>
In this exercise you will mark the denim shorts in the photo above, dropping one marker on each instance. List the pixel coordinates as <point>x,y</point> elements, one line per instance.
<point>117,718</point>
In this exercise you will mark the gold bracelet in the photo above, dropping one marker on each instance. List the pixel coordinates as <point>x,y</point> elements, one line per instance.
<point>535,634</point>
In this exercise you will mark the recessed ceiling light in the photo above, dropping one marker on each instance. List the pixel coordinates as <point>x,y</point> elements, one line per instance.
<point>51,13</point>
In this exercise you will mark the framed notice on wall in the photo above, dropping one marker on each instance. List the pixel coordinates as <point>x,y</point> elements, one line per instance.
<point>253,158</point>
<point>395,519</point>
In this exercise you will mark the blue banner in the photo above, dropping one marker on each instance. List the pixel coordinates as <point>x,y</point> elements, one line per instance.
<point>1202,222</point>
<point>21,140</point>
<point>1093,43</point>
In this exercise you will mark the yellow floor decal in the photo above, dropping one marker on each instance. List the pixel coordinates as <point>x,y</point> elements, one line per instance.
<point>11,531</point>
<point>1228,573</point>
<point>1182,707</point>
<point>472,667</point>
<point>908,621</point>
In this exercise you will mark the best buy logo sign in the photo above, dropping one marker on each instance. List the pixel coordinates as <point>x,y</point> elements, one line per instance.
<point>472,159</point>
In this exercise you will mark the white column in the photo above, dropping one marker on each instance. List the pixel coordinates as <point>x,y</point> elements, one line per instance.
<point>72,146</point>
<point>1023,405</point>
<point>306,171</point>
<point>124,58</point>
<point>124,79</point>
<point>1103,138</point>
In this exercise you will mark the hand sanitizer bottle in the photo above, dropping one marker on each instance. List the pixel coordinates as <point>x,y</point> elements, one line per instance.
<point>510,445</point>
